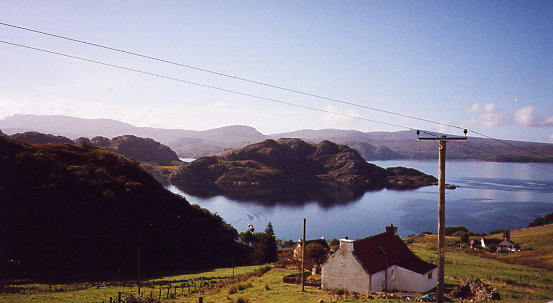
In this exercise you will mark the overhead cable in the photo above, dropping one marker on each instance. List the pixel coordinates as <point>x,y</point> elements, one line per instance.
<point>265,84</point>
<point>208,86</point>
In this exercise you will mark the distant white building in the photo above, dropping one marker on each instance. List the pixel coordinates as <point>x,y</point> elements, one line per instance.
<point>498,245</point>
<point>377,263</point>
<point>507,246</point>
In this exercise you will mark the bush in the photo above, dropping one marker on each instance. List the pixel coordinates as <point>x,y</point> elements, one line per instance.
<point>341,292</point>
<point>242,300</point>
<point>449,231</point>
<point>239,287</point>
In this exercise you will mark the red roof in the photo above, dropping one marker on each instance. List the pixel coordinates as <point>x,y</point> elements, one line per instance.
<point>381,251</point>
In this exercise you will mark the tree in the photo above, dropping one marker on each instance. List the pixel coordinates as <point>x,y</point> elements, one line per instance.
<point>334,242</point>
<point>270,245</point>
<point>316,254</point>
<point>465,238</point>
<point>264,245</point>
<point>507,234</point>
<point>247,238</point>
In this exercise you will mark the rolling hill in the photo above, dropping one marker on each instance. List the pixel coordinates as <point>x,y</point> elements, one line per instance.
<point>81,212</point>
<point>371,145</point>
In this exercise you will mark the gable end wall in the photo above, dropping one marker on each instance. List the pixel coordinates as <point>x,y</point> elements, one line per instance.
<point>343,271</point>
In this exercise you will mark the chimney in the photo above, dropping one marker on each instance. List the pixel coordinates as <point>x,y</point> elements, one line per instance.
<point>346,244</point>
<point>391,229</point>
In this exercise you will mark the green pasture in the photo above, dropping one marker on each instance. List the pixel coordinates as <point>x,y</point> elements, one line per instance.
<point>517,276</point>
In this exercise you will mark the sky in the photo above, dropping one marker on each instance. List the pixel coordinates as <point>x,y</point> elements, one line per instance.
<point>482,65</point>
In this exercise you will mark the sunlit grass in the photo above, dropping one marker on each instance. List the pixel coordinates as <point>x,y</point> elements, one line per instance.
<point>515,282</point>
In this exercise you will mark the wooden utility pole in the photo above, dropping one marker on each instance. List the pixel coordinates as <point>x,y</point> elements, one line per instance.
<point>138,269</point>
<point>303,257</point>
<point>440,287</point>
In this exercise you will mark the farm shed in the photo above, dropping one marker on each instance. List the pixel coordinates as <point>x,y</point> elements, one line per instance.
<point>298,247</point>
<point>377,263</point>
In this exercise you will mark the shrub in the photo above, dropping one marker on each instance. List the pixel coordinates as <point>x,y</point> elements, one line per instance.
<point>242,300</point>
<point>341,292</point>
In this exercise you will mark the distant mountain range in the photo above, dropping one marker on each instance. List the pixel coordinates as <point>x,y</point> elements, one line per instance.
<point>193,144</point>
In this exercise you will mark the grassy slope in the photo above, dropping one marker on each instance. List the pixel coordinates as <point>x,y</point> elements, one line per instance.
<point>99,294</point>
<point>515,282</point>
<point>538,239</point>
<point>518,276</point>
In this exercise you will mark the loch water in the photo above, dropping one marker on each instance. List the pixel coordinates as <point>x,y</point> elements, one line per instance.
<point>489,195</point>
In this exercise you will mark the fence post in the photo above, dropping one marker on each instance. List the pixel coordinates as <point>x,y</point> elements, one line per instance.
<point>119,297</point>
<point>159,298</point>
<point>200,299</point>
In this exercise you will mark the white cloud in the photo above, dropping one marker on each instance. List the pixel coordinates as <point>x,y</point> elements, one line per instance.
<point>527,116</point>
<point>488,108</point>
<point>487,115</point>
<point>334,117</point>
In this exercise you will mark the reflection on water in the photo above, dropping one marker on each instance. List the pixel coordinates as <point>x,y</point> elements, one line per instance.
<point>490,195</point>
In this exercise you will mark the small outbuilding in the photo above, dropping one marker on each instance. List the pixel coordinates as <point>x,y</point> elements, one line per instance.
<point>298,247</point>
<point>378,263</point>
<point>508,246</point>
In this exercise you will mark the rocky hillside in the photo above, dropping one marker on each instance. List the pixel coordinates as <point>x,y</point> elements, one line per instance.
<point>292,169</point>
<point>80,212</point>
<point>40,138</point>
<point>133,147</point>
<point>140,149</point>
<point>371,145</point>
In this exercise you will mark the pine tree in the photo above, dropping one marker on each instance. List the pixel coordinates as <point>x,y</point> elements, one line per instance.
<point>270,247</point>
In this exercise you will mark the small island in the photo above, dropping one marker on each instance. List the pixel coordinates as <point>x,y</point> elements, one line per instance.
<point>293,170</point>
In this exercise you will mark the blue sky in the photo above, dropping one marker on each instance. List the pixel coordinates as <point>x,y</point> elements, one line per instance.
<point>483,65</point>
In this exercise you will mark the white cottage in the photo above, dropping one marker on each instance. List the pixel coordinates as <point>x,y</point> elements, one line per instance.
<point>377,263</point>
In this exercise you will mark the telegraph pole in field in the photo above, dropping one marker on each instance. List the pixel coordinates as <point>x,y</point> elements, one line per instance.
<point>440,288</point>
<point>303,257</point>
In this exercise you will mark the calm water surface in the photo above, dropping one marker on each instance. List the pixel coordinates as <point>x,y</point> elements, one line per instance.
<point>490,195</point>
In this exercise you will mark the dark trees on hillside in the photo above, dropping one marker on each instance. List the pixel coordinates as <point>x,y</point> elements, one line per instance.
<point>263,244</point>
<point>539,221</point>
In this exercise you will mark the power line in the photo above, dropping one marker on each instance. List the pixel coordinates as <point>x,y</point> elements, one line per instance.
<point>510,144</point>
<point>500,155</point>
<point>267,85</point>
<point>230,76</point>
<point>259,97</point>
<point>208,86</point>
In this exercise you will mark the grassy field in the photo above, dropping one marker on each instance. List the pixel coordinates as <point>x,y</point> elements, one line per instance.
<point>509,273</point>
<point>537,246</point>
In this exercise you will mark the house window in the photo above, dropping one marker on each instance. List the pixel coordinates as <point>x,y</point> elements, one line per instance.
<point>430,275</point>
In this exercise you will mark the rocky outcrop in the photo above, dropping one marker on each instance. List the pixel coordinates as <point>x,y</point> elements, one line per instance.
<point>140,149</point>
<point>40,138</point>
<point>476,290</point>
<point>292,168</point>
<point>407,178</point>
<point>143,149</point>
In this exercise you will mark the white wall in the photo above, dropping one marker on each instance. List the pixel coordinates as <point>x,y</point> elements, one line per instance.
<point>343,271</point>
<point>378,281</point>
<point>404,279</point>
